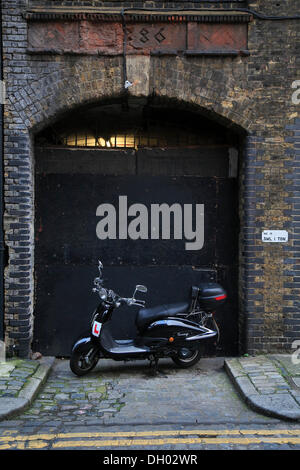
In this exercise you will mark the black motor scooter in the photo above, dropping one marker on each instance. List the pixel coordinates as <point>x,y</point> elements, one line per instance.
<point>174,330</point>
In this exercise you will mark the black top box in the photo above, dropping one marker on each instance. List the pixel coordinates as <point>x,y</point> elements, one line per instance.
<point>211,295</point>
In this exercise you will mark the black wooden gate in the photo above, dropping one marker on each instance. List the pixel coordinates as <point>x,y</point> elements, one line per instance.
<point>76,189</point>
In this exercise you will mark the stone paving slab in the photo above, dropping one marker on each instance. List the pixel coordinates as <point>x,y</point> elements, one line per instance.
<point>20,381</point>
<point>268,384</point>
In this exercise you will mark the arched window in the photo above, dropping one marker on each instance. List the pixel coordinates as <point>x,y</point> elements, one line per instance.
<point>110,127</point>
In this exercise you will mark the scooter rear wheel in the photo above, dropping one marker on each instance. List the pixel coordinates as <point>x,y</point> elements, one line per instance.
<point>187,357</point>
<point>83,360</point>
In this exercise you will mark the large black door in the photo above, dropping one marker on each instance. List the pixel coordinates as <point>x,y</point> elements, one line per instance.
<point>107,204</point>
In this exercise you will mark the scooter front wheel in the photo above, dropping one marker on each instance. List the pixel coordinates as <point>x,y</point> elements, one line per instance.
<point>187,357</point>
<point>83,359</point>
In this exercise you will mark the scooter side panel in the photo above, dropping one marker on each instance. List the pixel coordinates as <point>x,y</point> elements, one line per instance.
<point>173,331</point>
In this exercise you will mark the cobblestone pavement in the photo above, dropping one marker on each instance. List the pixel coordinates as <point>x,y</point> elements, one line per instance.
<point>67,399</point>
<point>14,375</point>
<point>122,406</point>
<point>268,383</point>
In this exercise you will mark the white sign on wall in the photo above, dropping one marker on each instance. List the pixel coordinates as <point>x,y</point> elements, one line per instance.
<point>275,236</point>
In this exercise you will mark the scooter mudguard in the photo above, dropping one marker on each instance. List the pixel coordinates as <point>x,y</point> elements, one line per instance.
<point>82,341</point>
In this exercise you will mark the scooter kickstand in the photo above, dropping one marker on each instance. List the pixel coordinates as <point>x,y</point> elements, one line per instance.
<point>154,364</point>
<point>154,368</point>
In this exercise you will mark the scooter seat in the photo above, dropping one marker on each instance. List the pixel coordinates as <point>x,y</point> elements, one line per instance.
<point>146,316</point>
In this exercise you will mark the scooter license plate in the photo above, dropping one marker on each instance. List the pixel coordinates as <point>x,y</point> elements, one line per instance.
<point>96,329</point>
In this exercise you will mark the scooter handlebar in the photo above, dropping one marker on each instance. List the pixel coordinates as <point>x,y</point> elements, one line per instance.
<point>131,301</point>
<point>109,296</point>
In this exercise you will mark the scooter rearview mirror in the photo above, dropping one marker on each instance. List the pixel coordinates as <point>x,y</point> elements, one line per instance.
<point>141,288</point>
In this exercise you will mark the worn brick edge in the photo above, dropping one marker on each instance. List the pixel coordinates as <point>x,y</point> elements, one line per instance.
<point>13,406</point>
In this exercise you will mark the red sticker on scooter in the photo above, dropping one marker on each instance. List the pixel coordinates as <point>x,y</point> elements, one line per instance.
<point>96,328</point>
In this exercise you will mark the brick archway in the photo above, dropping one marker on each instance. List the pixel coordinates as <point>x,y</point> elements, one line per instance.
<point>85,81</point>
<point>170,156</point>
<point>204,88</point>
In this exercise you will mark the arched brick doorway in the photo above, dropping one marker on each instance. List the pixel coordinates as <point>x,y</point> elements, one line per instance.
<point>147,154</point>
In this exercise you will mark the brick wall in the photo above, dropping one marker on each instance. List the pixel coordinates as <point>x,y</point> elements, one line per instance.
<point>251,93</point>
<point>271,310</point>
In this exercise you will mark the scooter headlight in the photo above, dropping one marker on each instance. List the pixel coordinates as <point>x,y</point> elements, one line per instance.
<point>103,294</point>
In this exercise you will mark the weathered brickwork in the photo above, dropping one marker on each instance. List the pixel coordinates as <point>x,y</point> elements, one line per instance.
<point>251,93</point>
<point>291,283</point>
